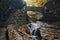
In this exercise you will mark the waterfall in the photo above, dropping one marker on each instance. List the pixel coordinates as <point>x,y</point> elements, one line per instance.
<point>34,31</point>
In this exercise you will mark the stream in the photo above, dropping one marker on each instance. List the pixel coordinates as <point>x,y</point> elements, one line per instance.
<point>34,31</point>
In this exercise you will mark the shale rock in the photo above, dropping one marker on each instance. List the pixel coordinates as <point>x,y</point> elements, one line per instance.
<point>19,33</point>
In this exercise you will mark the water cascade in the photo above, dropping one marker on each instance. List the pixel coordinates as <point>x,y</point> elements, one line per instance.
<point>34,31</point>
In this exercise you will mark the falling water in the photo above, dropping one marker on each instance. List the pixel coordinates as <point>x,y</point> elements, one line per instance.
<point>33,27</point>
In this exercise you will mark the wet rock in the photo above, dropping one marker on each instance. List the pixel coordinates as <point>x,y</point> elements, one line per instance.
<point>3,35</point>
<point>22,32</point>
<point>19,33</point>
<point>50,33</point>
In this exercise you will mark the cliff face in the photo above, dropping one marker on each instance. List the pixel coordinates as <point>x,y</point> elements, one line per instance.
<point>18,18</point>
<point>11,14</point>
<point>52,13</point>
<point>8,7</point>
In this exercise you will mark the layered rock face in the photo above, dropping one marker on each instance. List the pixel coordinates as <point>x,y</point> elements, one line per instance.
<point>8,7</point>
<point>49,23</point>
<point>48,32</point>
<point>19,33</point>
